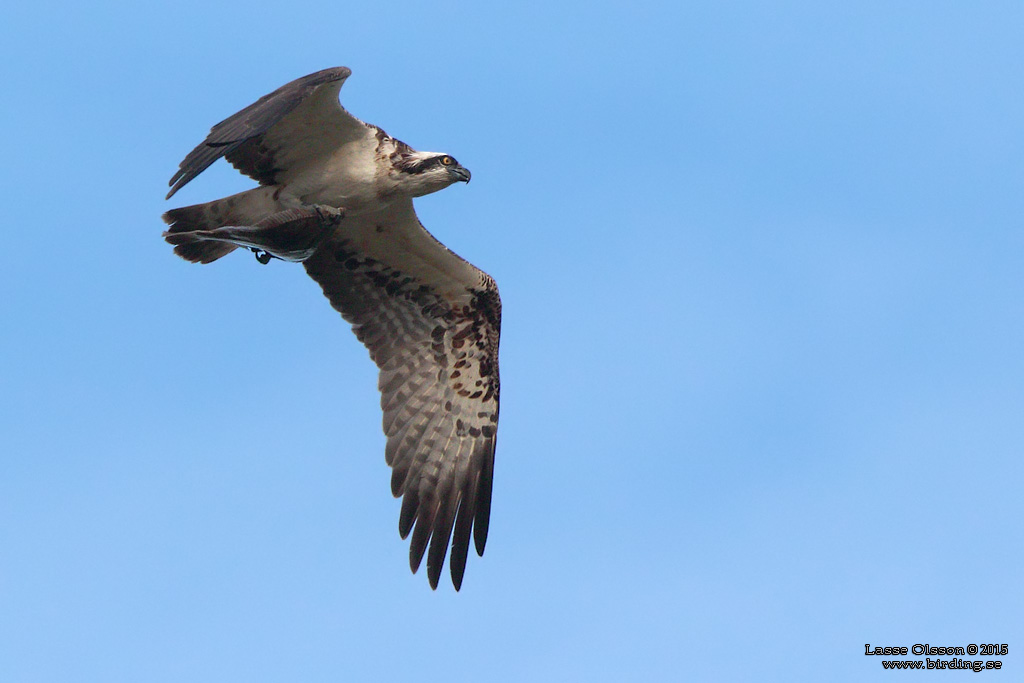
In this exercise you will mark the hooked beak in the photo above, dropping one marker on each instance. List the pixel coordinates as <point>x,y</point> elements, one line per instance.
<point>461,173</point>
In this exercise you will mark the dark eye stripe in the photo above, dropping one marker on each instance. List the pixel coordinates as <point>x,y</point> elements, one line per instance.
<point>422,166</point>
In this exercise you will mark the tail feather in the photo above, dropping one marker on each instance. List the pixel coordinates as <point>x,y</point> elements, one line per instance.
<point>244,208</point>
<point>290,235</point>
<point>191,246</point>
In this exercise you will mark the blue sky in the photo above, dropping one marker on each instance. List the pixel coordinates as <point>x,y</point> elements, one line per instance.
<point>761,359</point>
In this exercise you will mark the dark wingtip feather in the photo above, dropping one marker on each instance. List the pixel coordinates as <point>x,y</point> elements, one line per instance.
<point>480,534</point>
<point>174,183</point>
<point>422,532</point>
<point>410,504</point>
<point>418,545</point>
<point>483,507</point>
<point>399,474</point>
<point>457,564</point>
<point>460,536</point>
<point>439,542</point>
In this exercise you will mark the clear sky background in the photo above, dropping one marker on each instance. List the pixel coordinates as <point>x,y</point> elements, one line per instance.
<point>762,370</point>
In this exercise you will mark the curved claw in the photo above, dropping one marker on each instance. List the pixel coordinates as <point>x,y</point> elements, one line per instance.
<point>261,256</point>
<point>328,215</point>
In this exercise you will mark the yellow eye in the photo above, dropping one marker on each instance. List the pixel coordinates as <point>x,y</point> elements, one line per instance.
<point>447,161</point>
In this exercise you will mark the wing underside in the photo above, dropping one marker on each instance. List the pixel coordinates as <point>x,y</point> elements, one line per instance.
<point>437,350</point>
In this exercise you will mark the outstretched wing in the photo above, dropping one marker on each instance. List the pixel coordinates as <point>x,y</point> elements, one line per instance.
<point>291,126</point>
<point>431,322</point>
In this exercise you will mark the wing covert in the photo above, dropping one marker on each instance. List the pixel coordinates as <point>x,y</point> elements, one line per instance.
<point>304,109</point>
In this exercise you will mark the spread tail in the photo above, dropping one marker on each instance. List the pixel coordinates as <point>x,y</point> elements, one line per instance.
<point>196,247</point>
<point>290,235</point>
<point>186,224</point>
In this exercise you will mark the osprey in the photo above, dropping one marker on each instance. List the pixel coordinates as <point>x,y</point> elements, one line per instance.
<point>335,194</point>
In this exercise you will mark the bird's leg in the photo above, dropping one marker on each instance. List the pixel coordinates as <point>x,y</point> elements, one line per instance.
<point>328,215</point>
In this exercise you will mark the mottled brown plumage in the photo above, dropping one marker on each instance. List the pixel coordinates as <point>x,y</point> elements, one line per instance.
<point>337,195</point>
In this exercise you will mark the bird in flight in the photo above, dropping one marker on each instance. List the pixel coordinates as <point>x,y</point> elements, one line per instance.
<point>335,194</point>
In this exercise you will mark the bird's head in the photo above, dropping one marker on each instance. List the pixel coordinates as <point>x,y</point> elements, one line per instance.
<point>420,173</point>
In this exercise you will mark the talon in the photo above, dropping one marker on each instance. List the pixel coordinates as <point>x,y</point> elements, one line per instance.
<point>261,256</point>
<point>329,215</point>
